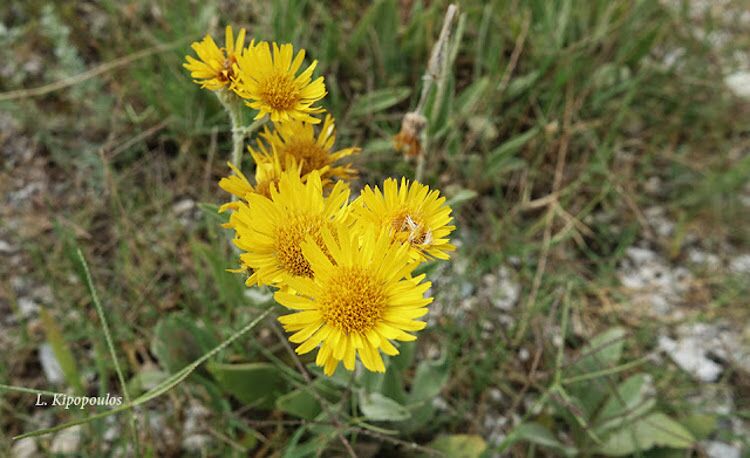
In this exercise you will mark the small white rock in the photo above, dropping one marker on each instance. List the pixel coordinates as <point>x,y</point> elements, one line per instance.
<point>704,258</point>
<point>50,365</point>
<point>506,290</point>
<point>27,306</point>
<point>739,84</point>
<point>640,255</point>
<point>25,448</point>
<point>523,354</point>
<point>439,403</point>
<point>716,449</point>
<point>67,441</point>
<point>740,264</point>
<point>183,206</point>
<point>5,247</point>
<point>690,356</point>
<point>196,442</point>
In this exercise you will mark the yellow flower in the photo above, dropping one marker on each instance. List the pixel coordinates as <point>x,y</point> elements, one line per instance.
<point>270,230</point>
<point>360,298</point>
<point>268,171</point>
<point>411,213</point>
<point>237,184</point>
<point>268,81</point>
<point>215,69</point>
<point>295,142</point>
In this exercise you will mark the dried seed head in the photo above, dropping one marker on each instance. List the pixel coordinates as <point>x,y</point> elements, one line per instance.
<point>407,141</point>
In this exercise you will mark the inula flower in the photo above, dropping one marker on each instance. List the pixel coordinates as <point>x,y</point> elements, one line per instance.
<point>215,69</point>
<point>360,297</point>
<point>268,171</point>
<point>270,231</point>
<point>296,141</point>
<point>268,80</point>
<point>411,213</point>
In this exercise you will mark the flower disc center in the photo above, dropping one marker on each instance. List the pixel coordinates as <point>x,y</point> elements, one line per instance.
<point>353,300</point>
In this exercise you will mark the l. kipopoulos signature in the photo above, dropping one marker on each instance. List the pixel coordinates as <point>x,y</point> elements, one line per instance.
<point>66,401</point>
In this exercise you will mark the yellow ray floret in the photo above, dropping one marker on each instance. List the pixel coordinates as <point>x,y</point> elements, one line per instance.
<point>411,213</point>
<point>270,231</point>
<point>268,80</point>
<point>360,298</point>
<point>296,142</point>
<point>214,68</point>
<point>268,171</point>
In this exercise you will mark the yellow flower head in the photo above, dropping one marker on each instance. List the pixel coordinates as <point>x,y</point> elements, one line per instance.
<point>411,213</point>
<point>268,171</point>
<point>360,298</point>
<point>295,141</point>
<point>215,69</point>
<point>270,231</point>
<point>268,81</point>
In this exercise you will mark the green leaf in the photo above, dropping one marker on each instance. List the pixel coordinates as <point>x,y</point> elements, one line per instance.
<point>459,445</point>
<point>461,196</point>
<point>178,340</point>
<point>538,434</point>
<point>211,212</point>
<point>643,434</point>
<point>299,403</point>
<point>633,399</point>
<point>466,102</point>
<point>146,380</point>
<point>377,407</point>
<point>405,356</point>
<point>509,148</point>
<point>521,84</point>
<point>303,403</point>
<point>602,352</point>
<point>430,378</point>
<point>379,100</point>
<point>62,352</point>
<point>701,425</point>
<point>257,384</point>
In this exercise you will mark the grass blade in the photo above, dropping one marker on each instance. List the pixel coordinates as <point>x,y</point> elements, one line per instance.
<point>108,336</point>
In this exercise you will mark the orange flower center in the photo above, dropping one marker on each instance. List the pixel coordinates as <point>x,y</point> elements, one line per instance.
<point>307,152</point>
<point>279,92</point>
<point>353,300</point>
<point>290,236</point>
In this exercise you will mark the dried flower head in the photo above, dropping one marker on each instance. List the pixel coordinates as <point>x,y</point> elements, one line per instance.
<point>407,140</point>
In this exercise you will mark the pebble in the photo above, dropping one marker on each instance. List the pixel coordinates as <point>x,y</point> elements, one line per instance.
<point>183,206</point>
<point>27,306</point>
<point>51,367</point>
<point>67,441</point>
<point>739,84</point>
<point>716,449</point>
<point>740,264</point>
<point>653,281</point>
<point>656,216</point>
<point>503,289</point>
<point>703,258</point>
<point>25,448</point>
<point>690,356</point>
<point>6,248</point>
